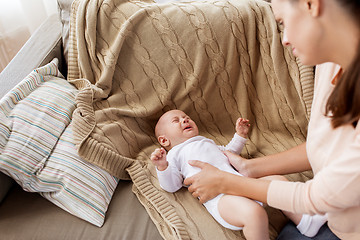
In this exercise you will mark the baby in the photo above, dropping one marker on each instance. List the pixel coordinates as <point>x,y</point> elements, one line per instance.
<point>179,136</point>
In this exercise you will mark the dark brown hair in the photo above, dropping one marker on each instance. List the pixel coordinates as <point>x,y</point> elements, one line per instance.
<point>343,105</point>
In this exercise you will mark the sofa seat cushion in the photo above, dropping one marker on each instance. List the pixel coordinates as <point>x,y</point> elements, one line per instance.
<point>25,215</point>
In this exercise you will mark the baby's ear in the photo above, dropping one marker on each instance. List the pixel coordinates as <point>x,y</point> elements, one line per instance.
<point>164,141</point>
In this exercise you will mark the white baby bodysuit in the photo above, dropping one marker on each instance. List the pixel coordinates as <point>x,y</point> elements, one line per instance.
<point>203,149</point>
<point>196,148</point>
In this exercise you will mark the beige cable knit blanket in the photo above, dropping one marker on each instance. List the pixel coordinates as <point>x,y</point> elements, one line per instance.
<point>216,60</point>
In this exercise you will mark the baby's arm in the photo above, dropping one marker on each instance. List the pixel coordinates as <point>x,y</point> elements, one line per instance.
<point>237,143</point>
<point>158,158</point>
<point>169,176</point>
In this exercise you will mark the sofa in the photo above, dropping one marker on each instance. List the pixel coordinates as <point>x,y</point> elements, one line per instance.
<point>139,209</point>
<point>26,215</point>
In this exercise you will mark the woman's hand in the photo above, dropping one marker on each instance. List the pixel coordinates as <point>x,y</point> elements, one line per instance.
<point>206,184</point>
<point>240,164</point>
<point>211,181</point>
<point>291,161</point>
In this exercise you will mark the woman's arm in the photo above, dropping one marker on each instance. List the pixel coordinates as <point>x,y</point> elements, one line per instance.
<point>290,161</point>
<point>211,181</point>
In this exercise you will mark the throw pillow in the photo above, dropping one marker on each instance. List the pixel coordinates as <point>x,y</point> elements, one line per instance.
<point>37,149</point>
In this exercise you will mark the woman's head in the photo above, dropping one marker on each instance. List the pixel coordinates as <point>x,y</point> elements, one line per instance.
<point>327,31</point>
<point>320,31</point>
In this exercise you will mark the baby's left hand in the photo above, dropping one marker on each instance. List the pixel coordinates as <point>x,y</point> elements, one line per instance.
<point>242,127</point>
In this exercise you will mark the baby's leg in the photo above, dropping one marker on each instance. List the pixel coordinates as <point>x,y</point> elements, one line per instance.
<point>246,213</point>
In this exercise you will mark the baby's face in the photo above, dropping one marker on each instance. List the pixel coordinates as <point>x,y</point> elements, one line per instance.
<point>178,127</point>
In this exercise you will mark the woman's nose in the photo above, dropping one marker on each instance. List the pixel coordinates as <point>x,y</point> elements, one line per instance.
<point>285,40</point>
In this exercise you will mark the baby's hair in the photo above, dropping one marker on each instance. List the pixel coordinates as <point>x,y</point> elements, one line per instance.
<point>157,126</point>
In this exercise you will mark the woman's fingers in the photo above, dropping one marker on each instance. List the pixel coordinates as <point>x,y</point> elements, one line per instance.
<point>203,185</point>
<point>188,182</point>
<point>197,163</point>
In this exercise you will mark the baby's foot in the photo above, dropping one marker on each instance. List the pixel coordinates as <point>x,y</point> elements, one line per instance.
<point>310,225</point>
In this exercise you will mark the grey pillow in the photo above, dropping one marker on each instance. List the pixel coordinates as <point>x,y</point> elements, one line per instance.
<point>64,8</point>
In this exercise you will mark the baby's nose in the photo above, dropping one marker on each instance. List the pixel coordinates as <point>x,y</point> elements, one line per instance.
<point>185,120</point>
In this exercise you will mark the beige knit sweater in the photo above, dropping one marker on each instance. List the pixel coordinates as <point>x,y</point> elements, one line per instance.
<point>215,60</point>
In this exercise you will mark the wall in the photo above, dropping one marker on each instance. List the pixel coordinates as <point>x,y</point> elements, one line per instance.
<point>18,20</point>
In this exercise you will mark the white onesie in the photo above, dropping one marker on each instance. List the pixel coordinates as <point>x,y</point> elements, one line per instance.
<point>203,149</point>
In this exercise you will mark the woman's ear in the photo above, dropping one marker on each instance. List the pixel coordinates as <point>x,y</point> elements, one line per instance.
<point>313,6</point>
<point>164,141</point>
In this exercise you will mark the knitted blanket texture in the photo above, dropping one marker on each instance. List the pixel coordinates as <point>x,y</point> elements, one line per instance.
<point>216,60</point>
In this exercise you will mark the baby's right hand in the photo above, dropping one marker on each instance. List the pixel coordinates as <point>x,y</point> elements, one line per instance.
<point>158,158</point>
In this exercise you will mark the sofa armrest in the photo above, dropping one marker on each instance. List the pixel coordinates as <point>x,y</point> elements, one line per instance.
<point>41,48</point>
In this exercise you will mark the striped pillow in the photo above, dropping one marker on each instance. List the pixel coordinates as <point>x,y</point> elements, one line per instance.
<point>37,149</point>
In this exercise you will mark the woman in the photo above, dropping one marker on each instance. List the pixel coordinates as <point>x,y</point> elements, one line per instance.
<point>319,31</point>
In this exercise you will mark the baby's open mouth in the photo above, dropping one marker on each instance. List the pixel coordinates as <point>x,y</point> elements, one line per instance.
<point>187,128</point>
